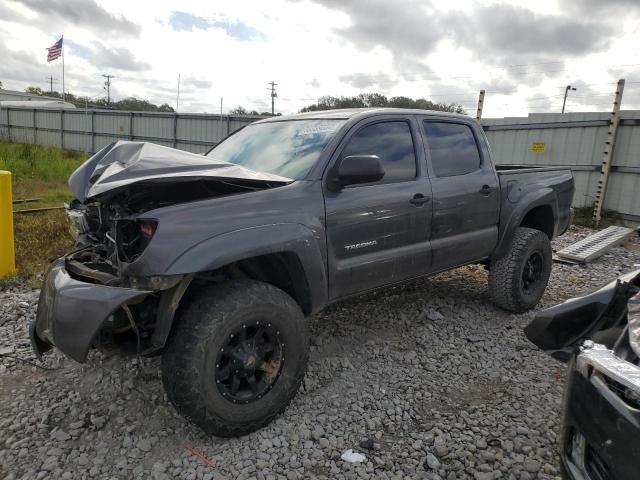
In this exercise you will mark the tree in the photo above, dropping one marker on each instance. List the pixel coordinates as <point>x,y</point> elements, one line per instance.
<point>239,111</point>
<point>34,90</point>
<point>129,103</point>
<point>378,100</point>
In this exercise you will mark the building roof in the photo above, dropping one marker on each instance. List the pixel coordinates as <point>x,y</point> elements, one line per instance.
<point>24,95</point>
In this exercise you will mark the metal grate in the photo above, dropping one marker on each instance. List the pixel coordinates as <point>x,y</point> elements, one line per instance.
<point>595,245</point>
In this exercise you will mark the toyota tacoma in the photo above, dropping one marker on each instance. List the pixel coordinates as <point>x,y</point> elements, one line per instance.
<point>214,261</point>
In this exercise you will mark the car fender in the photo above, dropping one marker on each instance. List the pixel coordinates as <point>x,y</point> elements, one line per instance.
<point>230,247</point>
<point>514,214</point>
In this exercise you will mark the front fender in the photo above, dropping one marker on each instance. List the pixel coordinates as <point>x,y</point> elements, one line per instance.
<point>512,214</point>
<point>221,250</point>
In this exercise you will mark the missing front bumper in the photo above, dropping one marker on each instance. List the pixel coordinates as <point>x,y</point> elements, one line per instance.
<point>71,312</point>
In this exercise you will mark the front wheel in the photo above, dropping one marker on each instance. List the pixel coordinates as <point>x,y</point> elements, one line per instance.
<point>236,357</point>
<point>517,280</point>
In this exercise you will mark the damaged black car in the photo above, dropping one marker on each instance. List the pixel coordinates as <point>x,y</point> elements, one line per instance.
<point>598,336</point>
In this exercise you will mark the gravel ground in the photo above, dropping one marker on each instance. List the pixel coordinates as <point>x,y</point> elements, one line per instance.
<point>427,381</point>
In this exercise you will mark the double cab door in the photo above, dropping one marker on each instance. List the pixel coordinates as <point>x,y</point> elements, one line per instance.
<point>383,232</point>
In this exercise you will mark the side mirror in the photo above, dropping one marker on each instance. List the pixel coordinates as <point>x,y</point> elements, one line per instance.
<point>356,169</point>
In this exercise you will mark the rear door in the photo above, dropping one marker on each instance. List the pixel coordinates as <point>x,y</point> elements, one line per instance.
<point>378,233</point>
<point>465,192</point>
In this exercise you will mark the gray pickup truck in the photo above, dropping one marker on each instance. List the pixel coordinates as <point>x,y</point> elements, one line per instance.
<point>214,261</point>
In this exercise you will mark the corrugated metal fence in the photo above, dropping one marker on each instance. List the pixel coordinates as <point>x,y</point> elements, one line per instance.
<point>574,139</point>
<point>90,130</point>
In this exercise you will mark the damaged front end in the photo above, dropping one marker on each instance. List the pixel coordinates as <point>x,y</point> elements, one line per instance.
<point>98,295</point>
<point>599,336</point>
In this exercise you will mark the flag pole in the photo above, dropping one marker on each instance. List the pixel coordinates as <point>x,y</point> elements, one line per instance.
<point>62,68</point>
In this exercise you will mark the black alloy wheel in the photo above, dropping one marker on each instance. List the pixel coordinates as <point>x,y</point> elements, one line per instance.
<point>533,272</point>
<point>249,363</point>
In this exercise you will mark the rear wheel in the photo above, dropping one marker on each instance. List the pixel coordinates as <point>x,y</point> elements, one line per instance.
<point>236,357</point>
<point>517,280</point>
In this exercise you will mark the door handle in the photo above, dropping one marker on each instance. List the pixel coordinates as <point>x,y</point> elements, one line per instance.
<point>419,199</point>
<point>486,189</point>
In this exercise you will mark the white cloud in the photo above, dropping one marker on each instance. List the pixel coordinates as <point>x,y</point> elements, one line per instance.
<point>231,49</point>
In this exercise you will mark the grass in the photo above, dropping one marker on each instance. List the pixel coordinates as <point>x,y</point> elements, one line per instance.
<point>583,216</point>
<point>38,172</point>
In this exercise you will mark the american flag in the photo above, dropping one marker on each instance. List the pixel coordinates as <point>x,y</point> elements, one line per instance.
<point>54,51</point>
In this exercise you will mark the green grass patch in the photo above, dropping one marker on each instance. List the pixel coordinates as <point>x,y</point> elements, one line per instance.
<point>38,172</point>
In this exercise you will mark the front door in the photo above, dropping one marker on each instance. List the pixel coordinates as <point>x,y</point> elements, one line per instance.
<point>378,233</point>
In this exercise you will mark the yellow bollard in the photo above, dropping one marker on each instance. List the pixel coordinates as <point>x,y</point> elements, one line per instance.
<point>7,253</point>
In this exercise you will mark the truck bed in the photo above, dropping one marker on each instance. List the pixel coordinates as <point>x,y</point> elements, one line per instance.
<point>514,169</point>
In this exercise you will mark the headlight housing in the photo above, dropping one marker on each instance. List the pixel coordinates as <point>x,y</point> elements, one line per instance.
<point>634,323</point>
<point>133,237</point>
<point>77,222</point>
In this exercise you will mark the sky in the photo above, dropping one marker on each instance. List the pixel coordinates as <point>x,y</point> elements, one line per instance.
<point>522,53</point>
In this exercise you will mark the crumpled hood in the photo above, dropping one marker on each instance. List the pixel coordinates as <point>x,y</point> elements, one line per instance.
<point>123,163</point>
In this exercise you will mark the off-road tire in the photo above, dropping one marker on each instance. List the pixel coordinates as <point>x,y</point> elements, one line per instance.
<point>505,276</point>
<point>199,332</point>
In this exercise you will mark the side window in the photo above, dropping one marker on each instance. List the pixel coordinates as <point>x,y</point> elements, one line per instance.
<point>393,143</point>
<point>452,147</point>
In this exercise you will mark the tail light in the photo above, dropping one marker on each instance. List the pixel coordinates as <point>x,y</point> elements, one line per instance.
<point>133,236</point>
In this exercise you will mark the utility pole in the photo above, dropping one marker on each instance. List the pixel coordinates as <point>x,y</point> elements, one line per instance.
<point>273,96</point>
<point>566,92</point>
<point>51,82</point>
<point>107,86</point>
<point>480,105</point>
<point>178,96</point>
<point>607,159</point>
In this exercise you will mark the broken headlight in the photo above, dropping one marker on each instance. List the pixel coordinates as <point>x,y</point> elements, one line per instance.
<point>77,222</point>
<point>634,323</point>
<point>133,236</point>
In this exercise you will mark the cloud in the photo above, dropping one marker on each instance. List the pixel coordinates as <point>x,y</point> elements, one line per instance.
<point>197,83</point>
<point>508,31</point>
<point>117,58</point>
<point>410,31</point>
<point>184,21</point>
<point>585,6</point>
<point>497,33</point>
<point>82,13</point>
<point>365,80</point>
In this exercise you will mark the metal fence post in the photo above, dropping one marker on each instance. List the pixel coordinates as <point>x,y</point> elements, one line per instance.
<point>605,168</point>
<point>175,130</point>
<point>35,127</point>
<point>131,126</point>
<point>62,129</point>
<point>93,134</point>
<point>9,123</point>
<point>7,249</point>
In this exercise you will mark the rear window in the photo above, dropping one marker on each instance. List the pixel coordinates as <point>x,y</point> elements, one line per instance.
<point>452,148</point>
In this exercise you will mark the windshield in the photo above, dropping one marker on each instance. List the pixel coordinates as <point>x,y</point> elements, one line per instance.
<point>287,148</point>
